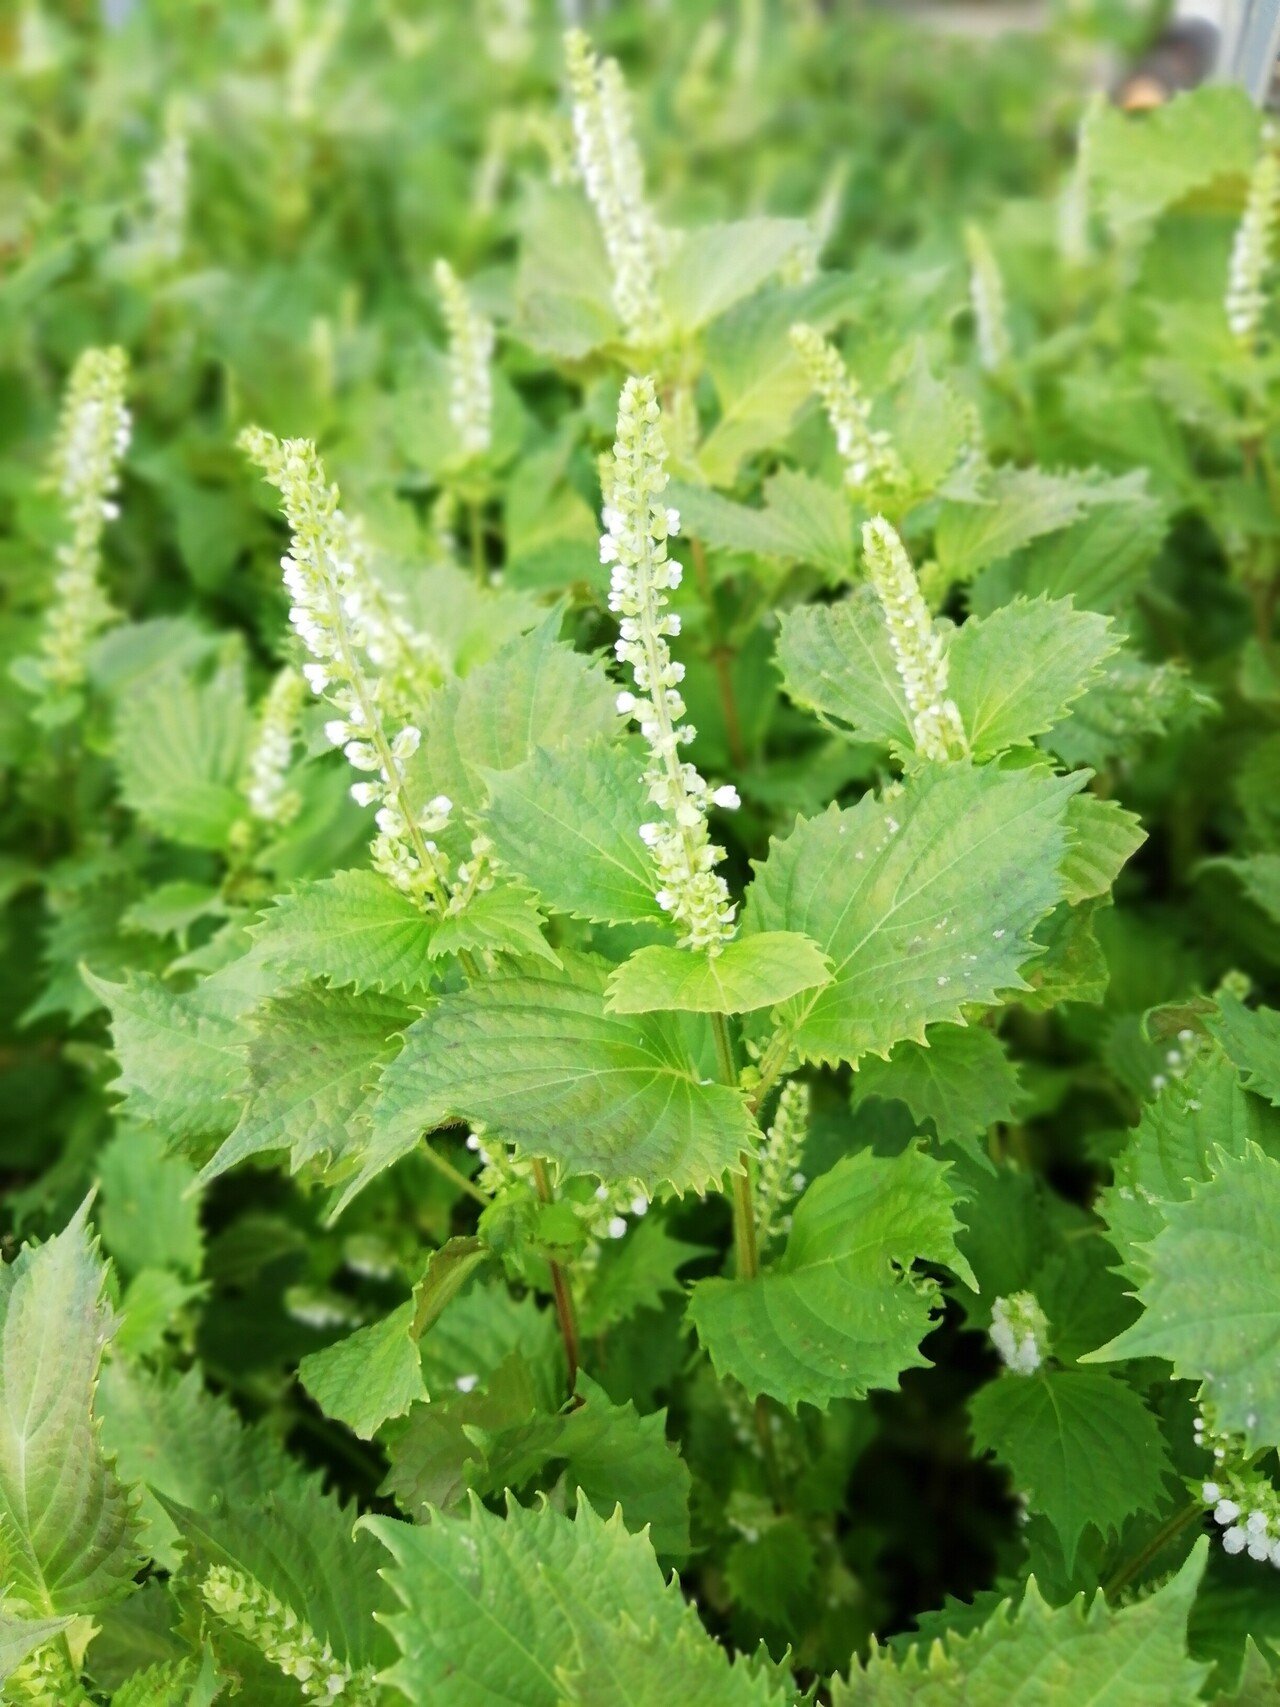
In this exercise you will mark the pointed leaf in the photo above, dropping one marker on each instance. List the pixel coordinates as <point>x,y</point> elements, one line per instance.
<point>839,1313</point>
<point>750,972</point>
<point>959,1077</point>
<point>352,929</point>
<point>925,903</point>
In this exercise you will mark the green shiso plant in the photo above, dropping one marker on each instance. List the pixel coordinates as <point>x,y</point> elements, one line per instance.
<point>641,865</point>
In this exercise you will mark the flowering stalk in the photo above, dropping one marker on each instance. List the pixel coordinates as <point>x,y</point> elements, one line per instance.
<point>93,436</point>
<point>280,1636</point>
<point>916,643</point>
<point>869,458</point>
<point>270,798</point>
<point>1073,207</point>
<point>1020,1332</point>
<point>779,1179</point>
<point>338,620</point>
<point>1244,1501</point>
<point>1251,250</point>
<point>637,526</point>
<point>470,352</point>
<point>166,179</point>
<point>986,294</point>
<point>609,162</point>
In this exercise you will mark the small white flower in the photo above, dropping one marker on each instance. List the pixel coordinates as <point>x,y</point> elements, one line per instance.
<point>1226,1511</point>
<point>1233,1540</point>
<point>726,797</point>
<point>1211,1493</point>
<point>466,1383</point>
<point>617,1227</point>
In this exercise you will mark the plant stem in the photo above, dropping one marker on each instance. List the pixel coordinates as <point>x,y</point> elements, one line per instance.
<point>744,1218</point>
<point>455,1175</point>
<point>1167,1532</point>
<point>560,1286</point>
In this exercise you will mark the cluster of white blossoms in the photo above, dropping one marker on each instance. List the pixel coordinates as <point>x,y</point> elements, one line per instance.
<point>1074,206</point>
<point>778,1179</point>
<point>613,176</point>
<point>637,527</point>
<point>470,353</point>
<point>340,617</point>
<point>603,1216</point>
<point>93,435</point>
<point>870,461</point>
<point>987,298</point>
<point>1251,250</point>
<point>917,646</point>
<point>1244,1502</point>
<point>166,180</point>
<point>1020,1332</point>
<point>270,798</point>
<point>281,1637</point>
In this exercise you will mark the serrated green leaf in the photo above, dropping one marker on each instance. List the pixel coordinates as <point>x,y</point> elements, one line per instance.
<point>1135,1656</point>
<point>1019,504</point>
<point>570,828</point>
<point>22,1636</point>
<point>68,1533</point>
<point>1144,163</point>
<point>502,920</point>
<point>599,1617</point>
<point>1081,1446</point>
<point>536,692</point>
<point>714,266</point>
<point>1210,1294</point>
<point>839,1313</point>
<point>179,1064</point>
<point>836,660</point>
<point>148,1216</point>
<point>633,1274</point>
<point>180,749</point>
<point>312,1055</point>
<point>959,1077</point>
<point>353,929</point>
<point>1251,1037</point>
<point>368,1377</point>
<point>925,903</point>
<point>750,972</point>
<point>1104,838</point>
<point>538,1060</point>
<point>1014,674</point>
<point>802,520</point>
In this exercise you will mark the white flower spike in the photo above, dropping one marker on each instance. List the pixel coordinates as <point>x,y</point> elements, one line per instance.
<point>613,176</point>
<point>93,436</point>
<point>1251,250</point>
<point>470,355</point>
<point>1020,1332</point>
<point>917,646</point>
<point>637,527</point>
<point>986,294</point>
<point>270,798</point>
<point>870,461</point>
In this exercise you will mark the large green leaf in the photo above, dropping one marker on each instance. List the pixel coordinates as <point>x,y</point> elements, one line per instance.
<point>545,1611</point>
<point>1039,1655</point>
<point>837,661</point>
<point>924,902</point>
<point>539,1062</point>
<point>1210,1294</point>
<point>959,1077</point>
<point>68,1531</point>
<point>714,266</point>
<point>353,929</point>
<point>1104,839</point>
<point>180,750</point>
<point>570,826</point>
<point>1014,674</point>
<point>840,1312</point>
<point>370,1376</point>
<point>313,1055</point>
<point>1143,163</point>
<point>1081,1446</point>
<point>750,972</point>
<point>1018,505</point>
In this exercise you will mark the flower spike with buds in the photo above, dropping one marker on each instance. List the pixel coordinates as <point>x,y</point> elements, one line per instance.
<point>779,1178</point>
<point>869,459</point>
<point>343,629</point>
<point>1251,251</point>
<point>917,646</point>
<point>637,526</point>
<point>167,181</point>
<point>986,294</point>
<point>93,435</point>
<point>1243,1499</point>
<point>270,799</point>
<point>1073,205</point>
<point>470,352</point>
<point>1020,1332</point>
<point>609,162</point>
<point>280,1636</point>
